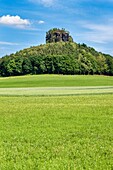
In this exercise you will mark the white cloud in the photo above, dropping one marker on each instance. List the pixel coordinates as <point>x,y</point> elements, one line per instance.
<point>99,33</point>
<point>41,22</point>
<point>14,21</point>
<point>44,2</point>
<point>99,27</point>
<point>7,43</point>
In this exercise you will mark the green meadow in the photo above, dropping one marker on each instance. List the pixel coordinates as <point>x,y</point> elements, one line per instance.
<point>50,122</point>
<point>55,81</point>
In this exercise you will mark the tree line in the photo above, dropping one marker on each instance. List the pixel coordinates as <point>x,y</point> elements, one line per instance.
<point>57,58</point>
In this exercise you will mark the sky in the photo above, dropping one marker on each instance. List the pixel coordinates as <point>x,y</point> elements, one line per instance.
<point>24,23</point>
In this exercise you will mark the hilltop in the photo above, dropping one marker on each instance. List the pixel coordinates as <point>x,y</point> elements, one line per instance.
<point>58,35</point>
<point>58,57</point>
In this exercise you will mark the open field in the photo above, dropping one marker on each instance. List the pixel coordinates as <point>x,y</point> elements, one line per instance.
<point>56,123</point>
<point>56,91</point>
<point>55,81</point>
<point>59,132</point>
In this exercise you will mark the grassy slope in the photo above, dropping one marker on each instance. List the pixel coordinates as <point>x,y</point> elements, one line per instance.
<point>66,133</point>
<point>55,81</point>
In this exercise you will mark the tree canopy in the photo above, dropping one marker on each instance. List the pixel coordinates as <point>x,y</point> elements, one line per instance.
<point>57,58</point>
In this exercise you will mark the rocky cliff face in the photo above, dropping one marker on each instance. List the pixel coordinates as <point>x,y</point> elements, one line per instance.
<point>57,35</point>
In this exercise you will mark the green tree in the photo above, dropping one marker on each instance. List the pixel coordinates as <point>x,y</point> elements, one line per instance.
<point>26,66</point>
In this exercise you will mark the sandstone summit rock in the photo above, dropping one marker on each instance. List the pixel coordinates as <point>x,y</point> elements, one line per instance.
<point>58,35</point>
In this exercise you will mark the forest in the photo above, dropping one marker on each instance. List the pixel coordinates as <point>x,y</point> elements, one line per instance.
<point>57,58</point>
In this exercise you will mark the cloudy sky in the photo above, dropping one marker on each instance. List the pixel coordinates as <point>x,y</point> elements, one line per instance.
<point>24,23</point>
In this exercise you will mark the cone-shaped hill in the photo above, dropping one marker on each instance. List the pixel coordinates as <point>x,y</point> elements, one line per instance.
<point>58,57</point>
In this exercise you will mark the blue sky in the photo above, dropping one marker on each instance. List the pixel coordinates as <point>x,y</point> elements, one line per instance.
<point>24,23</point>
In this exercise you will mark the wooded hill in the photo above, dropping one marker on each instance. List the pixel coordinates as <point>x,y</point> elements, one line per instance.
<point>57,58</point>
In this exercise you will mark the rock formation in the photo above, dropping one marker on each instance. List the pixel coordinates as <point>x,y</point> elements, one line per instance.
<point>58,35</point>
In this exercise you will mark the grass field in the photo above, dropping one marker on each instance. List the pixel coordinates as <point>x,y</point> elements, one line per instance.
<point>56,91</point>
<point>55,81</point>
<point>57,127</point>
